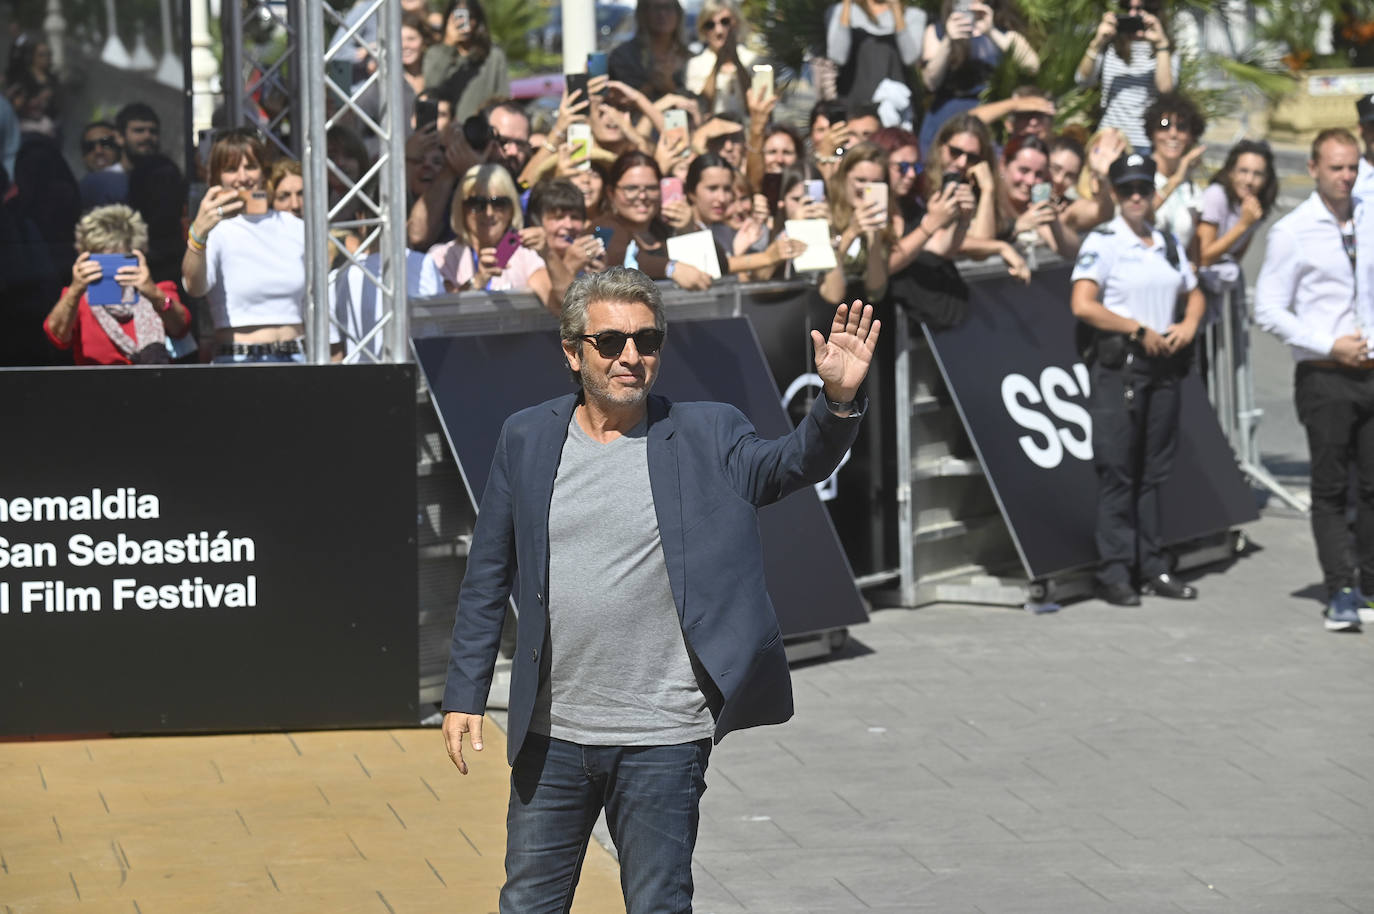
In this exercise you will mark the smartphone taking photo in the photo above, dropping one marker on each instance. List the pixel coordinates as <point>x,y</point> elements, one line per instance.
<point>106,291</point>
<point>506,248</point>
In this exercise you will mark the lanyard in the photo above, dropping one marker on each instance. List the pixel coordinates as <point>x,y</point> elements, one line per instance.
<point>487,287</point>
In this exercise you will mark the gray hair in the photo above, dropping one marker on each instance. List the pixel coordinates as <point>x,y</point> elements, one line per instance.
<point>616,284</point>
<point>113,229</point>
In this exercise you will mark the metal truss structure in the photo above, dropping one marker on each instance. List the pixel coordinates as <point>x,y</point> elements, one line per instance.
<point>296,86</point>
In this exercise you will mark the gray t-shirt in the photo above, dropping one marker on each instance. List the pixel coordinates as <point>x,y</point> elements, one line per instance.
<point>619,672</point>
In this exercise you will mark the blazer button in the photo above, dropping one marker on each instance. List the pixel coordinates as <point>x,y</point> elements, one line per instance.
<point>540,598</point>
<point>534,654</point>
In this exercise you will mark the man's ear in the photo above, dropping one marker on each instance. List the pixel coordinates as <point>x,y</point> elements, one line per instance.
<point>572,355</point>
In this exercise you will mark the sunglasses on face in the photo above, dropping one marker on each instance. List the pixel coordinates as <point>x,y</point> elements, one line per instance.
<point>907,168</point>
<point>1134,188</point>
<point>955,153</point>
<point>724,22</point>
<point>632,191</point>
<point>1165,123</point>
<point>108,142</point>
<point>610,343</point>
<point>480,204</point>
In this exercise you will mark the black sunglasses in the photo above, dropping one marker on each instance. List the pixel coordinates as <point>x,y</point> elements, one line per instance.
<point>1131,188</point>
<point>954,153</point>
<point>479,203</point>
<point>108,142</point>
<point>610,343</point>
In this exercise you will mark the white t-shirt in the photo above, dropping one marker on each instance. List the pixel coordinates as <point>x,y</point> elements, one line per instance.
<point>255,267</point>
<point>354,302</point>
<point>1179,212</point>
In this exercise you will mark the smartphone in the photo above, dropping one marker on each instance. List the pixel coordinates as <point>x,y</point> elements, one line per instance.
<point>577,82</point>
<point>963,6</point>
<point>106,291</point>
<point>763,79</point>
<point>459,17</point>
<point>951,177</point>
<point>675,130</point>
<point>596,64</point>
<point>1041,192</point>
<point>254,202</point>
<point>876,191</point>
<point>478,133</point>
<point>771,187</point>
<point>603,234</point>
<point>341,72</point>
<point>580,138</point>
<point>671,191</point>
<point>506,248</point>
<point>1130,25</point>
<point>815,189</point>
<point>426,113</point>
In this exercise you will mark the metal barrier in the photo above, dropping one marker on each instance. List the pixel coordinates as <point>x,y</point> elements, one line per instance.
<point>1231,383</point>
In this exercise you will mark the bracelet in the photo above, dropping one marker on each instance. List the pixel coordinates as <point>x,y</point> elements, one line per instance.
<point>1164,50</point>
<point>194,245</point>
<point>549,147</point>
<point>191,231</point>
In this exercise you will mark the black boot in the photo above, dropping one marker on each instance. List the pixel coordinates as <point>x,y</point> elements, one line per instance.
<point>1166,585</point>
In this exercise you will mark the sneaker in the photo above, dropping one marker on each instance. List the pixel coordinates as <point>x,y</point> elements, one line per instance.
<point>1365,605</point>
<point>1342,612</point>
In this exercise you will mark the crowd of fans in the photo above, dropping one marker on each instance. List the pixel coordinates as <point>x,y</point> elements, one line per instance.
<point>681,164</point>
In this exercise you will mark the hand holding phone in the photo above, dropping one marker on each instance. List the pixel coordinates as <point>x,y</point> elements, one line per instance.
<point>580,139</point>
<point>254,202</point>
<point>577,82</point>
<point>108,290</point>
<point>815,189</point>
<point>762,80</point>
<point>876,193</point>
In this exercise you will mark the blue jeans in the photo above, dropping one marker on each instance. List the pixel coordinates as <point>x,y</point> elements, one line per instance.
<point>651,795</point>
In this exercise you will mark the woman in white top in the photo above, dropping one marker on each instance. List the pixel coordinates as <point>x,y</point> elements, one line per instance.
<point>1174,125</point>
<point>1134,64</point>
<point>720,74</point>
<point>486,207</point>
<point>247,261</point>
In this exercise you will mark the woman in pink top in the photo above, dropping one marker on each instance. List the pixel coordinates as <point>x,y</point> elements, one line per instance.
<point>485,209</point>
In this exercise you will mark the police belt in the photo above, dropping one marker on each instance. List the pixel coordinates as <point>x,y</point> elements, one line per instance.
<point>1118,352</point>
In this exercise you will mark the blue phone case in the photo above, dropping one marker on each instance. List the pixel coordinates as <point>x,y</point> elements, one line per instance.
<point>596,65</point>
<point>107,291</point>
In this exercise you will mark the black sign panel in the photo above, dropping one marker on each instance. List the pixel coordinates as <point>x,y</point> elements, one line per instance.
<point>1022,392</point>
<point>207,548</point>
<point>477,381</point>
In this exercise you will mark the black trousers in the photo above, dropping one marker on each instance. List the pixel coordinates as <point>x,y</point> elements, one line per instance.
<point>1135,411</point>
<point>1336,406</point>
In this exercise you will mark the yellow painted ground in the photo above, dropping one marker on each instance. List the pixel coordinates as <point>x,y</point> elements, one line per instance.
<point>371,821</point>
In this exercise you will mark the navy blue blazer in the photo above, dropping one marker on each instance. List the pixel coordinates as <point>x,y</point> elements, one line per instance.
<point>709,472</point>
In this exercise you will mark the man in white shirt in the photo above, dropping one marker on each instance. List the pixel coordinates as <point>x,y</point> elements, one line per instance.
<point>1307,296</point>
<point>1364,181</point>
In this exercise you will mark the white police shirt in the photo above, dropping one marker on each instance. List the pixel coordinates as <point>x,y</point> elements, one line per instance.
<point>1364,181</point>
<point>1134,280</point>
<point>1306,291</point>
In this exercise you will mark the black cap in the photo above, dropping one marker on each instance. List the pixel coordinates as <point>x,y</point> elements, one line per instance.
<point>1366,108</point>
<point>1132,167</point>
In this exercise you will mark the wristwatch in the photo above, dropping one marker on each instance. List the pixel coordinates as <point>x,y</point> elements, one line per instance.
<point>669,269</point>
<point>847,406</point>
<point>1138,335</point>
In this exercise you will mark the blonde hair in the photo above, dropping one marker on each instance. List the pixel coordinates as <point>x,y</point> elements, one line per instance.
<point>492,180</point>
<point>709,9</point>
<point>113,229</point>
<point>280,169</point>
<point>1086,179</point>
<point>841,208</point>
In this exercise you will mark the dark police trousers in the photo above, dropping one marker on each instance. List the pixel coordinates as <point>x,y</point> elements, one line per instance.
<point>1336,406</point>
<point>1135,410</point>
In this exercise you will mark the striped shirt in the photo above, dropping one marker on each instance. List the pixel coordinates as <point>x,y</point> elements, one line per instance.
<point>1127,90</point>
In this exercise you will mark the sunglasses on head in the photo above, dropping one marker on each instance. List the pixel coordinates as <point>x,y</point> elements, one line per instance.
<point>479,203</point>
<point>1131,188</point>
<point>954,153</point>
<point>610,343</point>
<point>108,142</point>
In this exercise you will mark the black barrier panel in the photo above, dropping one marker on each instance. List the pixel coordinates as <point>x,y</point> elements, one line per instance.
<point>866,481</point>
<point>297,608</point>
<point>477,381</point>
<point>1022,392</point>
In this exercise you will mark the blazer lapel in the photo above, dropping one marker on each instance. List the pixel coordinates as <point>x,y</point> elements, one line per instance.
<point>666,485</point>
<point>538,489</point>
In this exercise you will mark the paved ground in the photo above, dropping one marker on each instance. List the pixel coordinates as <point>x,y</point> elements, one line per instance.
<point>1195,757</point>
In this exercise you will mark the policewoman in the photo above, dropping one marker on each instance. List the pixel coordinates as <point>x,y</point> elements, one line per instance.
<point>1136,295</point>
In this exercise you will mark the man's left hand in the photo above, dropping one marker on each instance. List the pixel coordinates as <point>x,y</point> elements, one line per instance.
<point>842,361</point>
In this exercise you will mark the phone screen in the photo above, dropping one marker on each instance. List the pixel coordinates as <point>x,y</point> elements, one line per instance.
<point>580,138</point>
<point>576,82</point>
<point>426,113</point>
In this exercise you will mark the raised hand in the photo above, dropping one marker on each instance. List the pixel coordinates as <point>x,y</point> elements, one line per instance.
<point>842,360</point>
